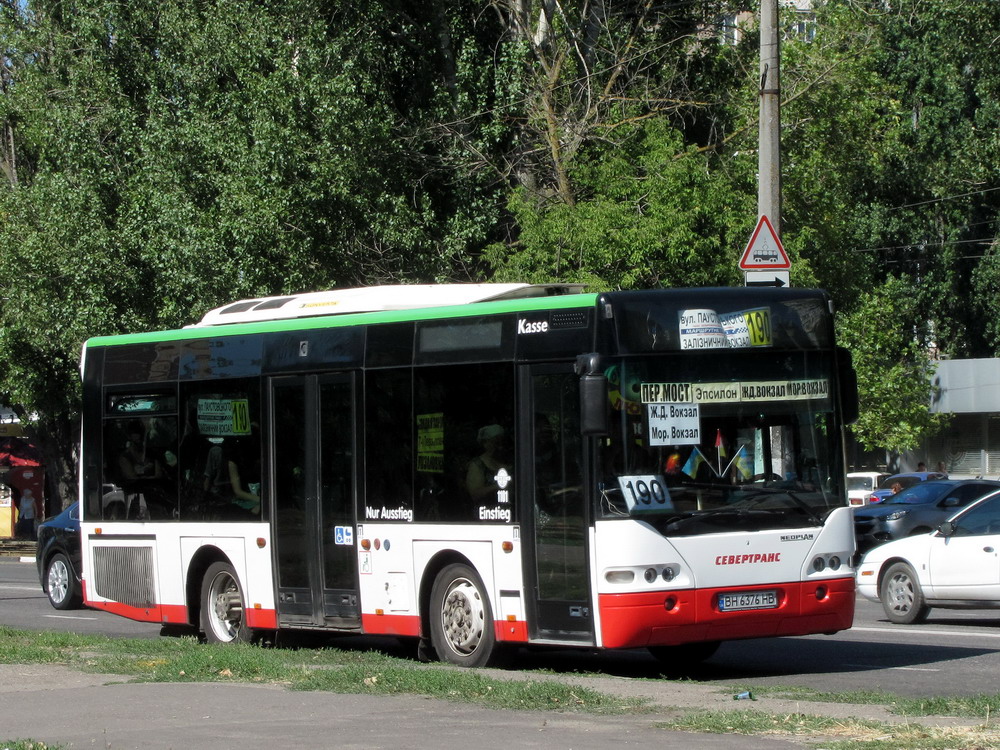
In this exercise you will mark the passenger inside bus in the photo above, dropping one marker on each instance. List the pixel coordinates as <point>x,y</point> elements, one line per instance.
<point>134,462</point>
<point>142,477</point>
<point>244,473</point>
<point>232,477</point>
<point>480,478</point>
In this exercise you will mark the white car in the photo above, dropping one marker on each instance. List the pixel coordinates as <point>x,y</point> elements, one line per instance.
<point>861,484</point>
<point>955,567</point>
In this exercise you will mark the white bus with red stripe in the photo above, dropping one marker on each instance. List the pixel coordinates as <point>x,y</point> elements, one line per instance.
<point>475,467</point>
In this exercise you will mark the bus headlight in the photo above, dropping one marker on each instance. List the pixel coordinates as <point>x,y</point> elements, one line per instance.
<point>619,576</point>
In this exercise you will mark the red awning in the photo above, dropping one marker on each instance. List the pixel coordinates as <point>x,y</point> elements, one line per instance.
<point>18,452</point>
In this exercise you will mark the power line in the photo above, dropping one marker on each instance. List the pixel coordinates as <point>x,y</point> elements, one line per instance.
<point>945,198</point>
<point>917,246</point>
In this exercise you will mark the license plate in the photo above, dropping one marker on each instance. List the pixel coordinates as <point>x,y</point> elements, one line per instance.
<point>743,600</point>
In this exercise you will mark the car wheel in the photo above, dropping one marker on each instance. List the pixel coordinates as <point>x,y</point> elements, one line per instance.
<point>223,616</point>
<point>901,596</point>
<point>60,583</point>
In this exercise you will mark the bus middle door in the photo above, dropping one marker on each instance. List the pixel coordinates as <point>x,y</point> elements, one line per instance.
<point>555,518</point>
<point>314,470</point>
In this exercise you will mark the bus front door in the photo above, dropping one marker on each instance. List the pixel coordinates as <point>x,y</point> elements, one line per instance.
<point>313,471</point>
<point>553,509</point>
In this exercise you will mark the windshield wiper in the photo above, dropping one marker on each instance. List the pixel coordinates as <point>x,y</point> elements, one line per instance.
<point>765,493</point>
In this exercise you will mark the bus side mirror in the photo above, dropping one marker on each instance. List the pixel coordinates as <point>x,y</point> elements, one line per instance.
<point>594,405</point>
<point>593,395</point>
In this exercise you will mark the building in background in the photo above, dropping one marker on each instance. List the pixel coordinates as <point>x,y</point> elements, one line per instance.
<point>968,390</point>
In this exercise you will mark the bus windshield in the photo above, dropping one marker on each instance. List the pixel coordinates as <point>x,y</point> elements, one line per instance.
<point>706,443</point>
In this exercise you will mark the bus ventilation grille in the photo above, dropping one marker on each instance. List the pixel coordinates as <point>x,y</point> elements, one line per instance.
<point>125,575</point>
<point>570,318</point>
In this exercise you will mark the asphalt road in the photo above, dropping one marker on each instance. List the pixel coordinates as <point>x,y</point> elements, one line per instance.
<point>953,653</point>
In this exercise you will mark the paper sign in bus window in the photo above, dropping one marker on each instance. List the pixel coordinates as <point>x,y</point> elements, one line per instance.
<point>223,417</point>
<point>748,328</point>
<point>674,424</point>
<point>701,329</point>
<point>430,443</point>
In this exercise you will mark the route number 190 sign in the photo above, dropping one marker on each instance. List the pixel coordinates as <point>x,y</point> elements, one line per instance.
<point>645,494</point>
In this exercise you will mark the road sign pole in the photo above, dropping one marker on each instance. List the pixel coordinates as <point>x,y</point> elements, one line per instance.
<point>769,149</point>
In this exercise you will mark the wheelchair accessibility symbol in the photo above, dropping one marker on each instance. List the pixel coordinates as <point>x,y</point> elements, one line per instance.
<point>343,535</point>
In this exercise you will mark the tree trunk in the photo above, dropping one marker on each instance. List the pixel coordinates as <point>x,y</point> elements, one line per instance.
<point>57,438</point>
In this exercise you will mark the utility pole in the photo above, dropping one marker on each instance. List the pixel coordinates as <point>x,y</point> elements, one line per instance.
<point>769,153</point>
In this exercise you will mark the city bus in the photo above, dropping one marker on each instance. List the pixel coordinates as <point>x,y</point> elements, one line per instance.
<point>476,467</point>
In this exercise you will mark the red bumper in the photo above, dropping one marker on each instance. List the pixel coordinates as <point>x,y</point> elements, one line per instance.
<point>668,618</point>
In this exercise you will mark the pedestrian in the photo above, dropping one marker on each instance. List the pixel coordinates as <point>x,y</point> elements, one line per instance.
<point>25,527</point>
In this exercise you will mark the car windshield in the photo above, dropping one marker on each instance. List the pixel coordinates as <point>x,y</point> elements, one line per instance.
<point>903,482</point>
<point>925,492</point>
<point>694,454</point>
<point>860,483</point>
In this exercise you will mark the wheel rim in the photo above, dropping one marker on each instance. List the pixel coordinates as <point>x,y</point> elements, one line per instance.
<point>58,581</point>
<point>463,617</point>
<point>901,594</point>
<point>225,606</point>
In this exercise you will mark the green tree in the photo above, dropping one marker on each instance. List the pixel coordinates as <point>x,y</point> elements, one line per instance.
<point>893,369</point>
<point>616,179</point>
<point>162,158</point>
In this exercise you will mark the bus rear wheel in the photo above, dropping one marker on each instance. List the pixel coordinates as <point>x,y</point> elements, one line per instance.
<point>223,616</point>
<point>461,618</point>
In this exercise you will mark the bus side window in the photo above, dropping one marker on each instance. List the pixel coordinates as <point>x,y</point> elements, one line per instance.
<point>456,424</point>
<point>389,440</point>
<point>221,425</point>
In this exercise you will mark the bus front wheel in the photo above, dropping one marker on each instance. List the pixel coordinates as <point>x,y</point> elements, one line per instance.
<point>461,618</point>
<point>222,606</point>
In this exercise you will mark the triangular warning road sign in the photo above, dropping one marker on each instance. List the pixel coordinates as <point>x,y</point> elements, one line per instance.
<point>764,251</point>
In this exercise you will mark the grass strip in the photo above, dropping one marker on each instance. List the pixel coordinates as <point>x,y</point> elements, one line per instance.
<point>838,734</point>
<point>370,672</point>
<point>325,669</point>
<point>974,706</point>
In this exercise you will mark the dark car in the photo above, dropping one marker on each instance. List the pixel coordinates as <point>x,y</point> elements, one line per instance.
<point>58,559</point>
<point>917,510</point>
<point>905,481</point>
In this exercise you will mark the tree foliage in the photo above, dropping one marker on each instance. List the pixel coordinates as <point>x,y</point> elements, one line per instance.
<point>893,368</point>
<point>159,158</point>
<point>164,157</point>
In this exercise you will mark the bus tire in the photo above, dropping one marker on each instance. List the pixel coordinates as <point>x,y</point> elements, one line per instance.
<point>223,615</point>
<point>687,655</point>
<point>461,618</point>
<point>901,596</point>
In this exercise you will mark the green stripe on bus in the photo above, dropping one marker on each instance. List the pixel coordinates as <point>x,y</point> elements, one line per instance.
<point>474,309</point>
